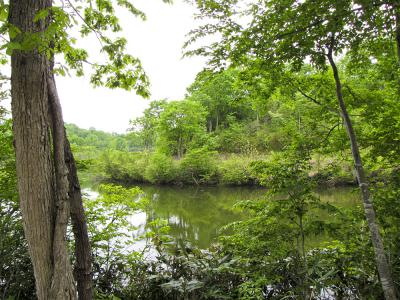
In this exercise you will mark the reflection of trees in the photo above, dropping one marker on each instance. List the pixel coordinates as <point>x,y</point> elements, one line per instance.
<point>196,214</point>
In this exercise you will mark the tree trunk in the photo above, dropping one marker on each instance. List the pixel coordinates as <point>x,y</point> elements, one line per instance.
<point>380,257</point>
<point>180,146</point>
<point>63,285</point>
<point>83,267</point>
<point>396,8</point>
<point>41,170</point>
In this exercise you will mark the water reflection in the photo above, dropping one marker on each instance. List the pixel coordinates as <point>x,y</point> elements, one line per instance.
<point>196,214</point>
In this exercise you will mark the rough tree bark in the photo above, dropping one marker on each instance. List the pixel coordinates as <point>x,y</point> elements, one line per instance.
<point>46,187</point>
<point>380,257</point>
<point>62,285</point>
<point>33,153</point>
<point>83,267</point>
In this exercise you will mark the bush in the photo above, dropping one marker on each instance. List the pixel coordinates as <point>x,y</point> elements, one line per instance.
<point>178,272</point>
<point>332,171</point>
<point>232,139</point>
<point>160,169</point>
<point>236,171</point>
<point>199,166</point>
<point>110,226</point>
<point>387,201</point>
<point>16,272</point>
<point>125,167</point>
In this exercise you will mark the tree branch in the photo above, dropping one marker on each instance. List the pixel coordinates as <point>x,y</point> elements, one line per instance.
<point>98,34</point>
<point>312,99</point>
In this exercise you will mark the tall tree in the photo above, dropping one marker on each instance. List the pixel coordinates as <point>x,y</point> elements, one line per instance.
<point>292,32</point>
<point>146,125</point>
<point>179,125</point>
<point>47,181</point>
<point>42,182</point>
<point>220,95</point>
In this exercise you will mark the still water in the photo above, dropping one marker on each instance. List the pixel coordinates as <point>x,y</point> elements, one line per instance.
<point>196,214</point>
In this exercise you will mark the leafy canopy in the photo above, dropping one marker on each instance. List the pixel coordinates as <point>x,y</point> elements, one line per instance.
<point>63,24</point>
<point>291,31</point>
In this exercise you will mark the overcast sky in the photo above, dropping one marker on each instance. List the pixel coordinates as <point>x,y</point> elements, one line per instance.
<point>158,43</point>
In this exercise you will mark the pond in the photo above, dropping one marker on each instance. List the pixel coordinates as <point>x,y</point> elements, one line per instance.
<point>196,214</point>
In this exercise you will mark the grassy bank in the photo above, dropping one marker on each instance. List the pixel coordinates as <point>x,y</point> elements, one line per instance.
<point>206,168</point>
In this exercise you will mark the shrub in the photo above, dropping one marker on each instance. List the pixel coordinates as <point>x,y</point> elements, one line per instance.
<point>160,169</point>
<point>199,166</point>
<point>126,167</point>
<point>235,171</point>
<point>16,272</point>
<point>232,139</point>
<point>332,171</point>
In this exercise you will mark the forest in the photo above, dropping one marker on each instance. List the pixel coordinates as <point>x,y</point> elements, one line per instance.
<point>299,99</point>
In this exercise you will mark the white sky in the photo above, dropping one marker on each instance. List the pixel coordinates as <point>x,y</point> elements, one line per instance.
<point>158,43</point>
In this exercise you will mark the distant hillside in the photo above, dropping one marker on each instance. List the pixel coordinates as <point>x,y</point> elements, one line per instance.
<point>84,140</point>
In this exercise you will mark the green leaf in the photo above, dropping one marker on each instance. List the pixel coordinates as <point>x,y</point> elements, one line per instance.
<point>41,15</point>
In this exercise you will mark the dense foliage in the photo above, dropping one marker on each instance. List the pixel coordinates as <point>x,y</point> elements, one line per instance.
<point>296,112</point>
<point>265,114</point>
<point>287,135</point>
<point>275,253</point>
<point>16,274</point>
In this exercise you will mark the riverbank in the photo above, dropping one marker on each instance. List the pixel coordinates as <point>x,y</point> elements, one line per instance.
<point>208,168</point>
